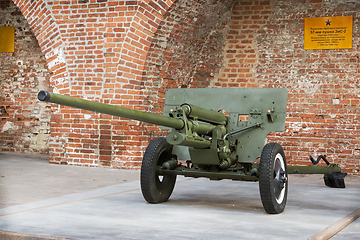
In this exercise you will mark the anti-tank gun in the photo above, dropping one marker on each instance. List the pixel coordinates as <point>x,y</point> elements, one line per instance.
<point>215,133</point>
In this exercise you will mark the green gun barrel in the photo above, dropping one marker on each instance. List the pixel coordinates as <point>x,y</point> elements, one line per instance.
<point>111,110</point>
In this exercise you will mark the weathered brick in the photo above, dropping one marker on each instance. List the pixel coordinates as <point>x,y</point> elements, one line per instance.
<point>22,73</point>
<point>111,49</point>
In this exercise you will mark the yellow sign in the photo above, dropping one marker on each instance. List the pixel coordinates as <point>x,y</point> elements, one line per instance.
<point>328,33</point>
<point>7,39</point>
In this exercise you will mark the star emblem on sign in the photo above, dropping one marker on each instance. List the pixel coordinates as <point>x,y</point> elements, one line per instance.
<point>328,22</point>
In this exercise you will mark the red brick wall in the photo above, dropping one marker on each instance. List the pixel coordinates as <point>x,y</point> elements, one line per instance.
<point>241,51</point>
<point>323,85</point>
<point>265,49</point>
<point>187,50</point>
<point>24,122</point>
<point>128,52</point>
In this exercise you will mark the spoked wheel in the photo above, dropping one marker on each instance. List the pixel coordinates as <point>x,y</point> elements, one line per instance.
<point>156,188</point>
<point>273,178</point>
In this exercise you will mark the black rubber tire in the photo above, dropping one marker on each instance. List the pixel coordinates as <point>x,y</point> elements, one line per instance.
<point>155,188</point>
<point>273,178</point>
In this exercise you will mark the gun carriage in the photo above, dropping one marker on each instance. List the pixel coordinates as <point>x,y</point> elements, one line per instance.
<point>216,134</point>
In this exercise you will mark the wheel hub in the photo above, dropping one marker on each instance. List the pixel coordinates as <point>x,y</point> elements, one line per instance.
<point>280,178</point>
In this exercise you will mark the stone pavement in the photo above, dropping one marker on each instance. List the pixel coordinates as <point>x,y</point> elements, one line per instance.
<point>39,200</point>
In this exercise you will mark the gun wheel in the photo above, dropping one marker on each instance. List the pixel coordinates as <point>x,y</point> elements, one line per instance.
<point>273,178</point>
<point>156,188</point>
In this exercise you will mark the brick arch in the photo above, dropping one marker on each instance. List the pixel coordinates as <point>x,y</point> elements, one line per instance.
<point>126,140</point>
<point>138,39</point>
<point>48,35</point>
<point>187,49</point>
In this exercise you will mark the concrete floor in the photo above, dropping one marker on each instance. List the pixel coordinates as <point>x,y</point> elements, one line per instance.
<point>46,201</point>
